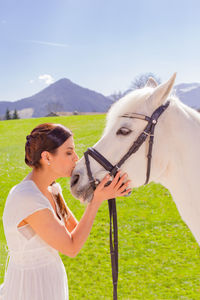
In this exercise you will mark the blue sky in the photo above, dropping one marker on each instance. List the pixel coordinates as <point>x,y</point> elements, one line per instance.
<point>99,44</point>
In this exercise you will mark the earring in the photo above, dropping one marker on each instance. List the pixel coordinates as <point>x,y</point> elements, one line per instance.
<point>48,163</point>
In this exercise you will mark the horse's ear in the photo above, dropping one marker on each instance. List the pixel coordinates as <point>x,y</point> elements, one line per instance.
<point>161,92</point>
<point>151,82</point>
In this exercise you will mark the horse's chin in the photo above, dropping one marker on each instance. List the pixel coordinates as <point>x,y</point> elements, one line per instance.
<point>85,194</point>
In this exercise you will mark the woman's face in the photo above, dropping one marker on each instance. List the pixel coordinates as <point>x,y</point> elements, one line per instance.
<point>63,162</point>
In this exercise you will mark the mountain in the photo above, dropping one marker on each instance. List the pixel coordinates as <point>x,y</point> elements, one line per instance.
<point>188,93</point>
<point>63,95</point>
<point>66,96</point>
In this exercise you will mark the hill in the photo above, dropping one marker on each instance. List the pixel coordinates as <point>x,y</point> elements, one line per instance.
<point>63,95</point>
<point>66,96</point>
<point>188,93</point>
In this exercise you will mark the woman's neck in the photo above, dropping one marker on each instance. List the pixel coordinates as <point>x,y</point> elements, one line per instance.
<point>41,179</point>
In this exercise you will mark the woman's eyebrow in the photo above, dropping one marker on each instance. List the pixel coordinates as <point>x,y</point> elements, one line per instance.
<point>70,148</point>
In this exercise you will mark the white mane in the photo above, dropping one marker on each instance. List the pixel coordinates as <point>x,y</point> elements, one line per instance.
<point>192,113</point>
<point>126,104</point>
<point>132,103</point>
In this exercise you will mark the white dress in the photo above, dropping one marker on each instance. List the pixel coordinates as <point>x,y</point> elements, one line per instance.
<point>35,270</point>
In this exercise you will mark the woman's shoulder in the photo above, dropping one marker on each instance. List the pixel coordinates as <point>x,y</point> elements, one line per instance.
<point>23,199</point>
<point>24,188</point>
<point>26,193</point>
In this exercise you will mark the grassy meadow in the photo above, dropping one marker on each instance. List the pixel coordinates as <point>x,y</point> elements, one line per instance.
<point>158,256</point>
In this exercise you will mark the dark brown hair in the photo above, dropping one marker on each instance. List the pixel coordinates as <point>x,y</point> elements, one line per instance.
<point>46,137</point>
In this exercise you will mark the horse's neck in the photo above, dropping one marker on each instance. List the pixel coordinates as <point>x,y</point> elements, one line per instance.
<point>182,175</point>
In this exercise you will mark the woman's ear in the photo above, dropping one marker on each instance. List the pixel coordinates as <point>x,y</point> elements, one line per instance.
<point>45,157</point>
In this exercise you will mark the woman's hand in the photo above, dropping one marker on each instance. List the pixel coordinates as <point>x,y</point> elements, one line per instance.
<point>117,188</point>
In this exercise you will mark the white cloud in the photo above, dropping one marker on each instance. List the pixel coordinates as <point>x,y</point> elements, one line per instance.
<point>48,43</point>
<point>48,79</point>
<point>31,81</point>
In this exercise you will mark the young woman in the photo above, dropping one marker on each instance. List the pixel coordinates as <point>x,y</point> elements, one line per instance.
<point>37,222</point>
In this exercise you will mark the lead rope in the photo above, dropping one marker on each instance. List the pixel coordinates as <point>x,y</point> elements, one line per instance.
<point>113,222</point>
<point>113,246</point>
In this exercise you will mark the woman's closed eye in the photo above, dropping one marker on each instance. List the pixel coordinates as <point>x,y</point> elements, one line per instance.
<point>69,153</point>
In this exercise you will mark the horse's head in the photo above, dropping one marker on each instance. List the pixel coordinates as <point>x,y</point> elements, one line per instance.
<point>120,133</point>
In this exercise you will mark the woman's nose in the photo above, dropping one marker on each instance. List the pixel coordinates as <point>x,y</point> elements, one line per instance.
<point>76,158</point>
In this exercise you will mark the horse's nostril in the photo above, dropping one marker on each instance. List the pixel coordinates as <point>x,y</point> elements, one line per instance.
<point>74,180</point>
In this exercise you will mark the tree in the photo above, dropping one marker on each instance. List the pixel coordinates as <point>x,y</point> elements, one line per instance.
<point>7,116</point>
<point>140,81</point>
<point>15,115</point>
<point>117,95</point>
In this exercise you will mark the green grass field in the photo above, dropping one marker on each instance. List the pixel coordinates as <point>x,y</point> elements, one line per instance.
<point>158,256</point>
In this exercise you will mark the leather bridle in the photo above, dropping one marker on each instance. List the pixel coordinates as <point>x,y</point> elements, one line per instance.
<point>147,132</point>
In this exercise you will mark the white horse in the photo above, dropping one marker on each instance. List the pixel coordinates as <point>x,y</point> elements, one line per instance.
<point>176,150</point>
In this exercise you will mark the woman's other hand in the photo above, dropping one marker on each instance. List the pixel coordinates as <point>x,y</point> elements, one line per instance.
<point>117,188</point>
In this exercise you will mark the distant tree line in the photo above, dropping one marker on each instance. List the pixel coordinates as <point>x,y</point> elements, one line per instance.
<point>138,83</point>
<point>8,115</point>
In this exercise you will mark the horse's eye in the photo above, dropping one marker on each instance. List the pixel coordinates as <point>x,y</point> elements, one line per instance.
<point>123,131</point>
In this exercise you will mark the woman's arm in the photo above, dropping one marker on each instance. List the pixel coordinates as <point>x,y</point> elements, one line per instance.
<point>54,233</point>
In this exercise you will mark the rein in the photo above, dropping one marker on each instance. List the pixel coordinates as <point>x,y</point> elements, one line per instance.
<point>147,132</point>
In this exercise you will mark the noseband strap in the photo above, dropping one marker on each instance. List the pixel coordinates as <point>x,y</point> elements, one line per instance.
<point>147,132</point>
<point>102,161</point>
